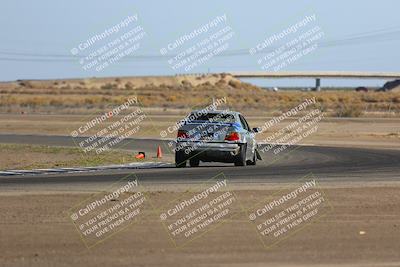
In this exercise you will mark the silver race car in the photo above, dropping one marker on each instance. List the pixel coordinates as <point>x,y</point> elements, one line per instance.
<point>215,136</point>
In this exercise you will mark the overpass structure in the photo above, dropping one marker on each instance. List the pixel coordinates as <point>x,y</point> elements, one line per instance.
<point>318,75</point>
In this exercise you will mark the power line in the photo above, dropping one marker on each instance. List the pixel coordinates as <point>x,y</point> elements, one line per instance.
<point>360,38</point>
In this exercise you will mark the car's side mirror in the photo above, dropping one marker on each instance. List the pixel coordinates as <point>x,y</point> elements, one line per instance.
<point>256,130</point>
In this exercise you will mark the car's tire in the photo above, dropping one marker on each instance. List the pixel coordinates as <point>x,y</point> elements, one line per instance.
<point>193,162</point>
<point>180,160</point>
<point>254,161</point>
<point>241,157</point>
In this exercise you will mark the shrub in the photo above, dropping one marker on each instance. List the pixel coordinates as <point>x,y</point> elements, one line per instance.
<point>109,86</point>
<point>349,111</point>
<point>186,83</point>
<point>234,84</point>
<point>129,86</point>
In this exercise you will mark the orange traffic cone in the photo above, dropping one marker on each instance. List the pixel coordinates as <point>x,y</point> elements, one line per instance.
<point>159,152</point>
<point>140,155</point>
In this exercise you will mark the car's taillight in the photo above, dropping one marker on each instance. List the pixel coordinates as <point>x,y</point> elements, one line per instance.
<point>182,134</point>
<point>233,136</point>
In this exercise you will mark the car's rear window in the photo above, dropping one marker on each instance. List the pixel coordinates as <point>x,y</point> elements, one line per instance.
<point>213,117</point>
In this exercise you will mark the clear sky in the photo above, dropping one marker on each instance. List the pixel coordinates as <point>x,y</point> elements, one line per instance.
<point>37,36</point>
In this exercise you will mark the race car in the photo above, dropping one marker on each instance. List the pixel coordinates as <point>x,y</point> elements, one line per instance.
<point>215,136</point>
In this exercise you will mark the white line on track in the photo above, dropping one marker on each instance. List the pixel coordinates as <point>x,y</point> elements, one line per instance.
<point>136,165</point>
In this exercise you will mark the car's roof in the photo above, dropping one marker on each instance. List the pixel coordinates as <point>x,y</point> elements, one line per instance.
<point>217,111</point>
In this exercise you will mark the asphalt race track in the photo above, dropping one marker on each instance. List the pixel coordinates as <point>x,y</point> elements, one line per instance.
<point>326,163</point>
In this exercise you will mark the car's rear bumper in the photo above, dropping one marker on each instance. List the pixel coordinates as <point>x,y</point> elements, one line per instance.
<point>209,152</point>
<point>190,147</point>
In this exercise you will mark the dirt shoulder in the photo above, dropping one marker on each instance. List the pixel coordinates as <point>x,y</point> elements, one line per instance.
<point>362,229</point>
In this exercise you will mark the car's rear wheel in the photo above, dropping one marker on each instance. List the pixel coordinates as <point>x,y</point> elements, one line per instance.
<point>180,159</point>
<point>241,157</point>
<point>194,162</point>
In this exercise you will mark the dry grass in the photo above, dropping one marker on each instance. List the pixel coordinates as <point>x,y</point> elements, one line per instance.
<point>88,95</point>
<point>20,156</point>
